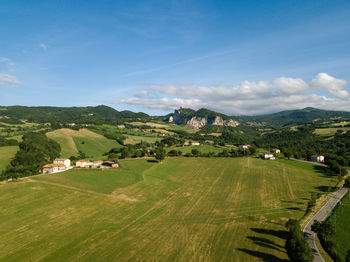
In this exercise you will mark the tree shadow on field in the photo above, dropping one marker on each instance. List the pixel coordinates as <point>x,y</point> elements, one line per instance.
<point>323,170</point>
<point>152,161</point>
<point>264,256</point>
<point>293,208</point>
<point>325,189</point>
<point>264,242</point>
<point>282,234</point>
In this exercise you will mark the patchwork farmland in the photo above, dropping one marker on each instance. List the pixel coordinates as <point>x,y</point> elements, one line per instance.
<point>183,209</point>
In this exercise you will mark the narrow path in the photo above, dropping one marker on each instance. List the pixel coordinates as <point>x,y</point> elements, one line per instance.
<point>321,215</point>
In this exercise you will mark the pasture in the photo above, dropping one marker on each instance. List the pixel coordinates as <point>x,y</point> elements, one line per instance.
<point>6,154</point>
<point>342,227</point>
<point>182,209</point>
<point>92,144</point>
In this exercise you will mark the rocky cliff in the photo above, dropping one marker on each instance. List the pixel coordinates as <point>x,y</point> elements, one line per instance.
<point>200,118</point>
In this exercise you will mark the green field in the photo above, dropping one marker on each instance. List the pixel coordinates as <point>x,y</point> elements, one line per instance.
<point>342,227</point>
<point>330,131</point>
<point>137,139</point>
<point>201,148</point>
<point>90,143</point>
<point>6,154</point>
<point>183,209</point>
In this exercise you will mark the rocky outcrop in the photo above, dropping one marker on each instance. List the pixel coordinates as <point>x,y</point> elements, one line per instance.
<point>196,122</point>
<point>192,120</point>
<point>231,123</point>
<point>175,118</point>
<point>218,121</point>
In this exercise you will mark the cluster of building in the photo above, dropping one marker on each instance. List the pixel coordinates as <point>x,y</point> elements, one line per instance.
<point>270,155</point>
<point>96,164</point>
<point>63,164</point>
<point>58,165</point>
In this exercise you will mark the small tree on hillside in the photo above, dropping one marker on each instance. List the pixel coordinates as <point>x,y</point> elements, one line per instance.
<point>160,153</point>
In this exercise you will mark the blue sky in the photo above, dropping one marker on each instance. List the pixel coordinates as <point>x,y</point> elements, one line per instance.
<point>236,57</point>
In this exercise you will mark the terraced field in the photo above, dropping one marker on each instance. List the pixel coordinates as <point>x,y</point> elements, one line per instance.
<point>183,209</point>
<point>92,144</point>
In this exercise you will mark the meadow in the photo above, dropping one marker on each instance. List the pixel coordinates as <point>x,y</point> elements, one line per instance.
<point>6,154</point>
<point>340,219</point>
<point>182,209</point>
<point>72,141</point>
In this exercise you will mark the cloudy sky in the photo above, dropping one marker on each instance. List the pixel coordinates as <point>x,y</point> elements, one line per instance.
<point>236,57</point>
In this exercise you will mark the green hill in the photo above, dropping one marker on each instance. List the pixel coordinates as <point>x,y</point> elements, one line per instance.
<point>91,144</point>
<point>43,114</point>
<point>293,117</point>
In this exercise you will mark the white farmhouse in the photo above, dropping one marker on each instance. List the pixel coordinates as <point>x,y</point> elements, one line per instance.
<point>269,156</point>
<point>317,158</point>
<point>64,161</point>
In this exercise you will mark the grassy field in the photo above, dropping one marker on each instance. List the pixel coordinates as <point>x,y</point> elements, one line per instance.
<point>92,144</point>
<point>330,131</point>
<point>6,154</point>
<point>342,227</point>
<point>201,148</point>
<point>183,209</point>
<point>137,139</point>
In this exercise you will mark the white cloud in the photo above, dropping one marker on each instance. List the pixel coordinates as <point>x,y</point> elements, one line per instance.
<point>6,60</point>
<point>43,46</point>
<point>6,80</point>
<point>324,91</point>
<point>335,86</point>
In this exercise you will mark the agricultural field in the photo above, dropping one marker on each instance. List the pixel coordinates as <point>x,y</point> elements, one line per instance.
<point>330,131</point>
<point>130,139</point>
<point>6,154</point>
<point>90,143</point>
<point>182,209</point>
<point>342,227</point>
<point>201,148</point>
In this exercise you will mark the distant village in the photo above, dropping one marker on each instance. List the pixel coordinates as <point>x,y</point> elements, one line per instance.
<point>64,164</point>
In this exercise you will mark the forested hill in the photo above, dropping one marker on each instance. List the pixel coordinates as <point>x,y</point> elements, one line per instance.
<point>293,117</point>
<point>90,114</point>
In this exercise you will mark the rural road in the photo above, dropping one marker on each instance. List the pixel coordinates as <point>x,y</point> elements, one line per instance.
<point>321,215</point>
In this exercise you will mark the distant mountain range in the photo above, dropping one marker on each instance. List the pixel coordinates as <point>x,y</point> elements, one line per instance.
<point>292,117</point>
<point>184,116</point>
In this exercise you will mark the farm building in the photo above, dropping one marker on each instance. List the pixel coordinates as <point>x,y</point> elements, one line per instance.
<point>245,147</point>
<point>64,161</point>
<point>276,151</point>
<point>53,168</point>
<point>82,163</point>
<point>269,156</point>
<point>109,164</point>
<point>97,163</point>
<point>317,158</point>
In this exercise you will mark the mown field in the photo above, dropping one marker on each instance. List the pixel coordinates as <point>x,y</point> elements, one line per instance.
<point>92,144</point>
<point>183,209</point>
<point>342,227</point>
<point>6,154</point>
<point>200,148</point>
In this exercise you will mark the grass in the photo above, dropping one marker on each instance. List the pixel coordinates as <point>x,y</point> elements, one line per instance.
<point>137,139</point>
<point>330,131</point>
<point>100,180</point>
<point>6,154</point>
<point>201,148</point>
<point>342,227</point>
<point>183,209</point>
<point>90,143</point>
